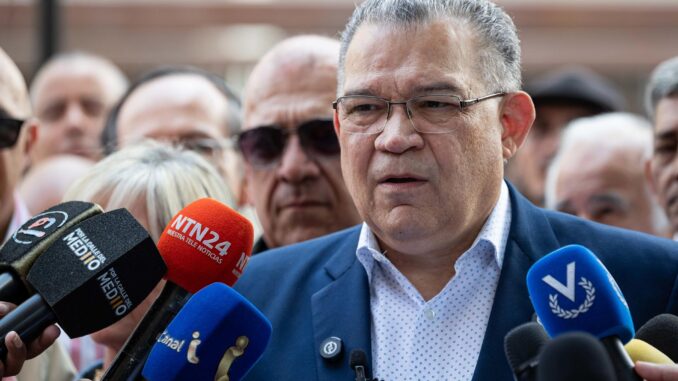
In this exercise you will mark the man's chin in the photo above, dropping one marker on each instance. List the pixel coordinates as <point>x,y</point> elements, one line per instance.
<point>304,234</point>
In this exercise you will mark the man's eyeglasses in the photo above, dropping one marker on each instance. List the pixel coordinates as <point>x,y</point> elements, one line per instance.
<point>264,146</point>
<point>429,114</point>
<point>9,131</point>
<point>203,146</point>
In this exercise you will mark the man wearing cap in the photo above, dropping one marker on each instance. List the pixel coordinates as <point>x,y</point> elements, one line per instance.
<point>559,97</point>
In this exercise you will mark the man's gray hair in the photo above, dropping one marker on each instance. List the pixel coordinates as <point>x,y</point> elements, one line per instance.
<point>663,83</point>
<point>498,44</point>
<point>610,131</point>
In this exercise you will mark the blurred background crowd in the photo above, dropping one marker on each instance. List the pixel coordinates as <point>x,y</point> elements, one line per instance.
<point>106,74</point>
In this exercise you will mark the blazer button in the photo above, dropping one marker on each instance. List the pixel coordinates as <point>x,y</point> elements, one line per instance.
<point>330,348</point>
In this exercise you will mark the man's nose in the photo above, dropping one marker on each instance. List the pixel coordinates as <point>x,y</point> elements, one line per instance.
<point>75,116</point>
<point>398,134</point>
<point>295,164</point>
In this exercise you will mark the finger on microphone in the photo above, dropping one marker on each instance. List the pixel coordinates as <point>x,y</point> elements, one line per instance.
<point>657,372</point>
<point>16,354</point>
<point>6,307</point>
<point>101,256</point>
<point>46,339</point>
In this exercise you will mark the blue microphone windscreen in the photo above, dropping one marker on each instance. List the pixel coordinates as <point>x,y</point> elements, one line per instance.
<point>218,332</point>
<point>571,290</point>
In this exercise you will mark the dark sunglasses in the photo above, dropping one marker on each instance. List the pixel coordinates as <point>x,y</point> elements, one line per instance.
<point>264,146</point>
<point>9,131</point>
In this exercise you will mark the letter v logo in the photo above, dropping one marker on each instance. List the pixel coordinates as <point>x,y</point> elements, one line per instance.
<point>567,290</point>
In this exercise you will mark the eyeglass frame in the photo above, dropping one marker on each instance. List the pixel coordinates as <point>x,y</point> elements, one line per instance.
<point>462,104</point>
<point>17,124</point>
<point>286,133</point>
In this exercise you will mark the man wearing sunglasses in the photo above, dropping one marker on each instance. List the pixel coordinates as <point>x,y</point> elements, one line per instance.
<point>18,132</point>
<point>429,107</point>
<point>292,172</point>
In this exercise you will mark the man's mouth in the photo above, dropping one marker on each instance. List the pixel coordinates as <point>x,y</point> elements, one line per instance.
<point>400,180</point>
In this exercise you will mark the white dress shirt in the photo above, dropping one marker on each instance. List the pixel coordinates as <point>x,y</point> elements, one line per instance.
<point>438,339</point>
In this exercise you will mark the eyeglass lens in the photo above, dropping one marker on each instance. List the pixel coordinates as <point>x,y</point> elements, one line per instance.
<point>265,145</point>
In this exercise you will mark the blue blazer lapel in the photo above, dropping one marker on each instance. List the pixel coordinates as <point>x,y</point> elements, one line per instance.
<point>530,238</point>
<point>342,309</point>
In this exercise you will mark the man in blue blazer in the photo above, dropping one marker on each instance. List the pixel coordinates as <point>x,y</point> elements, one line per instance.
<point>429,109</point>
<point>318,289</point>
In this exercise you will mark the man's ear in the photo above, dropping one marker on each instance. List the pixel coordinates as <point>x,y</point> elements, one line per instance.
<point>649,179</point>
<point>27,139</point>
<point>31,133</point>
<point>244,198</point>
<point>516,115</point>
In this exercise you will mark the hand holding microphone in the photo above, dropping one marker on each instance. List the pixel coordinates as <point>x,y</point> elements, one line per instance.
<point>17,256</point>
<point>94,265</point>
<point>18,351</point>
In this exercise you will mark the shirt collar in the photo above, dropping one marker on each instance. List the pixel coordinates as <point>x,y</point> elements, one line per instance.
<point>494,231</point>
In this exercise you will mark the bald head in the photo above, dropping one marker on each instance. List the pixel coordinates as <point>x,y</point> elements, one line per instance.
<point>77,65</point>
<point>299,64</point>
<point>294,85</point>
<point>47,182</point>
<point>71,95</point>
<point>13,94</point>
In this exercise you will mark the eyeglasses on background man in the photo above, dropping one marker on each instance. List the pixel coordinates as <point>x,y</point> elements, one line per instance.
<point>9,131</point>
<point>263,146</point>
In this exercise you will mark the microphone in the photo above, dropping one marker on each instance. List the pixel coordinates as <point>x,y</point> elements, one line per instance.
<point>217,335</point>
<point>662,332</point>
<point>571,290</point>
<point>94,265</point>
<point>575,356</point>
<point>639,350</point>
<point>206,242</point>
<point>29,241</point>
<point>522,346</point>
<point>358,362</point>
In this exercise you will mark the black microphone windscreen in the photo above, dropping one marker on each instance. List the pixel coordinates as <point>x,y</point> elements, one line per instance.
<point>28,242</point>
<point>575,356</point>
<point>106,266</point>
<point>357,358</point>
<point>661,332</point>
<point>523,344</point>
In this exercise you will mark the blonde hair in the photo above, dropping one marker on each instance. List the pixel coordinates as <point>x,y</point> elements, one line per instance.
<point>166,178</point>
